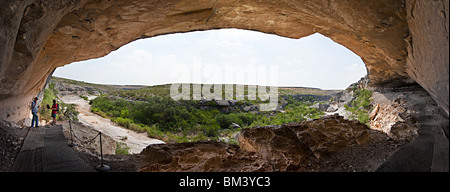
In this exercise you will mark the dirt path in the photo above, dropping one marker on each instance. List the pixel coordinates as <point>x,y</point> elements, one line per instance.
<point>135,141</point>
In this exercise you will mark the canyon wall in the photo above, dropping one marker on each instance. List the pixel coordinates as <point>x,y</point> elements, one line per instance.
<point>428,48</point>
<point>399,40</point>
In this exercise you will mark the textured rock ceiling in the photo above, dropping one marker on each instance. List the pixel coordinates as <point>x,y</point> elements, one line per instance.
<point>39,35</point>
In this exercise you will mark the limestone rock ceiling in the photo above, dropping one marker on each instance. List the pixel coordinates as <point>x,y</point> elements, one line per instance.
<point>372,29</point>
<point>40,35</point>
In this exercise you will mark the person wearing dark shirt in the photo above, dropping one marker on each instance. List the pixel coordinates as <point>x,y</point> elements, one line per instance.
<point>34,111</point>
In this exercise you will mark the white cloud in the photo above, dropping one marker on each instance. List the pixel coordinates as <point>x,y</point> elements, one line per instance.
<point>140,56</point>
<point>355,67</point>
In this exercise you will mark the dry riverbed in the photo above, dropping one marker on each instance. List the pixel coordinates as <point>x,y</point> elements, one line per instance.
<point>135,141</point>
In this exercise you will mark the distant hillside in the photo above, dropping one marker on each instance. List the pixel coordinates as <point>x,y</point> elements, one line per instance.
<point>69,86</point>
<point>305,91</point>
<point>140,92</point>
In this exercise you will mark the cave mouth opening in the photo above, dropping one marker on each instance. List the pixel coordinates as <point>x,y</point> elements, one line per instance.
<point>207,57</point>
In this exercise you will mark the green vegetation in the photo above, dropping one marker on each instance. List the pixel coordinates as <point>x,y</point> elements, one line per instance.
<point>66,111</point>
<point>295,111</point>
<point>84,97</point>
<point>360,106</point>
<point>304,91</point>
<point>151,110</point>
<point>182,121</point>
<point>122,149</point>
<point>164,118</point>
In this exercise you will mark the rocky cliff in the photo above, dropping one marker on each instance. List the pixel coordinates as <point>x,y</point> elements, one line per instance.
<point>399,40</point>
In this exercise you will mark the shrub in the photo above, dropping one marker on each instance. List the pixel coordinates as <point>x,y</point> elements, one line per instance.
<point>68,111</point>
<point>122,149</point>
<point>84,97</point>
<point>124,113</point>
<point>125,122</point>
<point>225,120</point>
<point>360,106</point>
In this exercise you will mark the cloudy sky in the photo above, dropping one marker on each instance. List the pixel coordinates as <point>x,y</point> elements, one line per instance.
<point>224,56</point>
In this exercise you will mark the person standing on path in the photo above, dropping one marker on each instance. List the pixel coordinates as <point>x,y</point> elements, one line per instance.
<point>34,111</point>
<point>55,109</point>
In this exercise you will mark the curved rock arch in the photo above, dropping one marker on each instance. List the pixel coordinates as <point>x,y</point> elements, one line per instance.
<point>41,35</point>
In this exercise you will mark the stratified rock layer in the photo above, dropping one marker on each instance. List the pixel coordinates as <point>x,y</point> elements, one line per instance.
<point>277,145</point>
<point>201,156</point>
<point>289,147</point>
<point>399,40</point>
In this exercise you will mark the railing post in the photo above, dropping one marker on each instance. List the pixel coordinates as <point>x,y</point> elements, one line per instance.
<point>72,144</point>
<point>102,167</point>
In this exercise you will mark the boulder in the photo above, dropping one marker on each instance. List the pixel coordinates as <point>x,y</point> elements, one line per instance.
<point>331,109</point>
<point>403,131</point>
<point>320,106</point>
<point>324,106</point>
<point>329,134</point>
<point>235,125</point>
<point>278,145</point>
<point>222,103</point>
<point>374,112</point>
<point>251,108</point>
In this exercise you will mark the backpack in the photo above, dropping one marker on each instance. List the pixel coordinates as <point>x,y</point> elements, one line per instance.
<point>57,107</point>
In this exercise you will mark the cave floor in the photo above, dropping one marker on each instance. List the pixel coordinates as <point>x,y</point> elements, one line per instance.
<point>45,149</point>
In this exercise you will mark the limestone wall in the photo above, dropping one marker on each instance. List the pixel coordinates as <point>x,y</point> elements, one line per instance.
<point>428,48</point>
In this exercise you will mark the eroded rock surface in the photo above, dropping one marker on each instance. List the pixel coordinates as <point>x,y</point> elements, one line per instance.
<point>277,145</point>
<point>290,147</point>
<point>201,156</point>
<point>329,134</point>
